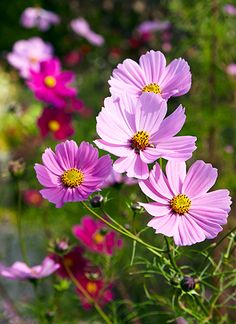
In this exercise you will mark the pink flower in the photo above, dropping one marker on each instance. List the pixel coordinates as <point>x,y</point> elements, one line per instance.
<point>72,173</point>
<point>136,131</point>
<point>32,197</point>
<point>231,69</point>
<point>117,179</point>
<point>230,9</point>
<point>74,261</point>
<point>96,236</point>
<point>151,75</point>
<point>81,27</point>
<point>98,290</point>
<point>152,26</point>
<point>38,17</point>
<point>50,84</point>
<point>21,271</point>
<point>183,207</point>
<point>56,122</point>
<point>27,54</point>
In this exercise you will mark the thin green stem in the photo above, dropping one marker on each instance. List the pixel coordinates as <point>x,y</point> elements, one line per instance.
<point>172,261</point>
<point>124,231</point>
<point>19,225</point>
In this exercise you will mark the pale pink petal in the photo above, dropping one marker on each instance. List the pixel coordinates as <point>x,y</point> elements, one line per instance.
<point>156,209</point>
<point>152,193</point>
<point>200,178</point>
<point>117,150</point>
<point>46,177</point>
<point>160,183</point>
<point>153,64</point>
<point>176,173</point>
<point>167,224</point>
<point>54,195</point>
<point>50,160</point>
<point>87,155</point>
<point>188,232</point>
<point>67,154</point>
<point>218,198</point>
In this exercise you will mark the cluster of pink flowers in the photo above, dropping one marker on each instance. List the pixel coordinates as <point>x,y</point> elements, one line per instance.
<point>133,127</point>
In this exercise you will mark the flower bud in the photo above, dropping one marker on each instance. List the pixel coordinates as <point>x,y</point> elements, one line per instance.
<point>187,283</point>
<point>136,207</point>
<point>96,201</point>
<point>60,246</point>
<point>17,167</point>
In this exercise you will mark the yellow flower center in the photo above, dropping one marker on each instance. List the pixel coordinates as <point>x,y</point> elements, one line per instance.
<point>152,87</point>
<point>50,81</point>
<point>140,141</point>
<point>180,204</point>
<point>53,125</point>
<point>72,178</point>
<point>33,59</point>
<point>98,238</point>
<point>91,287</point>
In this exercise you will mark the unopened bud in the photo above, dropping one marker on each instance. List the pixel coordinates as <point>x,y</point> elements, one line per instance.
<point>188,283</point>
<point>96,201</point>
<point>17,167</point>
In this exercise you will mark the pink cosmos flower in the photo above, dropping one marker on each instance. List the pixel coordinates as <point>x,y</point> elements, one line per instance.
<point>136,131</point>
<point>74,260</point>
<point>81,27</point>
<point>152,26</point>
<point>27,54</point>
<point>231,69</point>
<point>55,122</point>
<point>230,9</point>
<point>116,179</point>
<point>99,291</point>
<point>21,271</point>
<point>32,197</point>
<point>38,17</point>
<point>72,173</point>
<point>96,236</point>
<point>183,207</point>
<point>151,75</point>
<point>50,84</point>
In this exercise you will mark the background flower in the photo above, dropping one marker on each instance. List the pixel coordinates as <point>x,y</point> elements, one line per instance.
<point>81,27</point>
<point>38,17</point>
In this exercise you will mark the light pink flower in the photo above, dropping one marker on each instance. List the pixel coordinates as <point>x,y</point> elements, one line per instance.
<point>151,75</point>
<point>96,236</point>
<point>72,173</point>
<point>21,271</point>
<point>183,207</point>
<point>136,131</point>
<point>231,69</point>
<point>27,54</point>
<point>116,179</point>
<point>81,27</point>
<point>230,9</point>
<point>152,26</point>
<point>38,17</point>
<point>52,85</point>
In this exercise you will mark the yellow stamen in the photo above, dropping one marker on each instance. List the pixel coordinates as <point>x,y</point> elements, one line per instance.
<point>50,81</point>
<point>140,141</point>
<point>98,238</point>
<point>91,287</point>
<point>53,125</point>
<point>180,204</point>
<point>152,87</point>
<point>72,178</point>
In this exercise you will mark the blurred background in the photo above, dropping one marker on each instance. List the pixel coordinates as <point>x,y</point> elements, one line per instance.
<point>202,32</point>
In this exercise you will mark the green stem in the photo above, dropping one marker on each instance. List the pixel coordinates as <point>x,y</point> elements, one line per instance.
<point>19,225</point>
<point>172,261</point>
<point>124,231</point>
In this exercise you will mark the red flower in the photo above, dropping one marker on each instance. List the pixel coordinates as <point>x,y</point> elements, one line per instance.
<point>56,122</point>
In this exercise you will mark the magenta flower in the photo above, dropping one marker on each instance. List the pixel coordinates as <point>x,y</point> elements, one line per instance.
<point>38,17</point>
<point>98,289</point>
<point>96,236</point>
<point>55,122</point>
<point>183,207</point>
<point>27,54</point>
<point>81,27</point>
<point>74,261</point>
<point>152,26</point>
<point>50,84</point>
<point>21,271</point>
<point>116,179</point>
<point>231,69</point>
<point>230,9</point>
<point>151,75</point>
<point>72,173</point>
<point>136,131</point>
